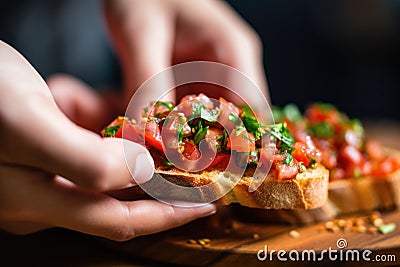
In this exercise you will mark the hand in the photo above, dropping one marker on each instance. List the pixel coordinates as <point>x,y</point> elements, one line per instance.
<point>54,173</point>
<point>154,34</point>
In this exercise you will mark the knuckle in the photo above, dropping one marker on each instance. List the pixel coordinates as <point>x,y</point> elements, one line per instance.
<point>124,231</point>
<point>101,176</point>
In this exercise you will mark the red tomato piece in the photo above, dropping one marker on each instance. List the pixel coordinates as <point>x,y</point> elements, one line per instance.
<point>221,159</point>
<point>190,151</point>
<point>350,155</point>
<point>317,113</point>
<point>285,171</point>
<point>153,135</point>
<point>329,158</point>
<point>374,150</point>
<point>127,130</point>
<point>386,166</point>
<point>244,142</point>
<point>233,108</point>
<point>300,153</point>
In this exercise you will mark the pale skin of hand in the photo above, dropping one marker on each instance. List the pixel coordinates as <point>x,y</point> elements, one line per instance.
<point>54,173</point>
<point>154,34</point>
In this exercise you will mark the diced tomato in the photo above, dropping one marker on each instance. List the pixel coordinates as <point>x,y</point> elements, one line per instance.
<point>351,156</point>
<point>244,142</point>
<point>285,171</point>
<point>153,135</point>
<point>205,100</point>
<point>329,158</point>
<point>127,130</point>
<point>300,153</point>
<point>190,150</point>
<point>352,138</point>
<point>188,98</point>
<point>386,166</point>
<point>374,150</point>
<point>233,108</point>
<point>318,113</point>
<point>221,159</point>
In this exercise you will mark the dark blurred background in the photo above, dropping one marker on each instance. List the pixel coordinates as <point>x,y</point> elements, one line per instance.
<point>344,52</point>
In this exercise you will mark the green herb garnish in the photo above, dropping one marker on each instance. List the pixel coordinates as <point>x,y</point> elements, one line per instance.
<point>223,139</point>
<point>210,116</point>
<point>111,131</point>
<point>322,130</point>
<point>251,123</point>
<point>357,126</point>
<point>387,228</point>
<point>325,107</point>
<point>277,113</point>
<point>292,112</point>
<point>168,105</point>
<point>181,133</point>
<point>312,163</point>
<point>280,132</point>
<point>200,133</point>
<point>288,159</point>
<point>168,163</point>
<point>239,129</point>
<point>233,117</point>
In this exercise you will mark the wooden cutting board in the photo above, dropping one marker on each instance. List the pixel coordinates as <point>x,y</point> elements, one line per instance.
<point>239,244</point>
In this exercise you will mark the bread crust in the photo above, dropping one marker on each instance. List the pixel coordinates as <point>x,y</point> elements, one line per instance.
<point>344,196</point>
<point>307,191</point>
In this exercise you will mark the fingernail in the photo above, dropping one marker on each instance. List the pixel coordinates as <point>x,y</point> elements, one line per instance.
<point>144,168</point>
<point>207,210</point>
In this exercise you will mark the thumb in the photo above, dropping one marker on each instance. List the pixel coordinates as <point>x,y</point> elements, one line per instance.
<point>35,133</point>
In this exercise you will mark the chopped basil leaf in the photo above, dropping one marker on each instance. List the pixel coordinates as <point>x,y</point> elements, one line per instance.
<point>245,136</point>
<point>325,107</point>
<point>200,133</point>
<point>280,132</point>
<point>387,228</point>
<point>277,113</point>
<point>239,129</point>
<point>312,163</point>
<point>111,130</point>
<point>292,112</point>
<point>168,105</point>
<point>197,107</point>
<point>180,133</point>
<point>233,117</point>
<point>288,159</point>
<point>209,115</point>
<point>223,139</point>
<point>251,123</point>
<point>254,153</point>
<point>168,163</point>
<point>322,130</point>
<point>357,126</point>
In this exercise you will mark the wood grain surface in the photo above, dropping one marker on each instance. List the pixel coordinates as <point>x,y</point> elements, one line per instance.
<point>238,245</point>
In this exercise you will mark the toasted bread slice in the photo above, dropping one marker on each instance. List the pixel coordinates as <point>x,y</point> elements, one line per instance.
<point>344,196</point>
<point>307,191</point>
